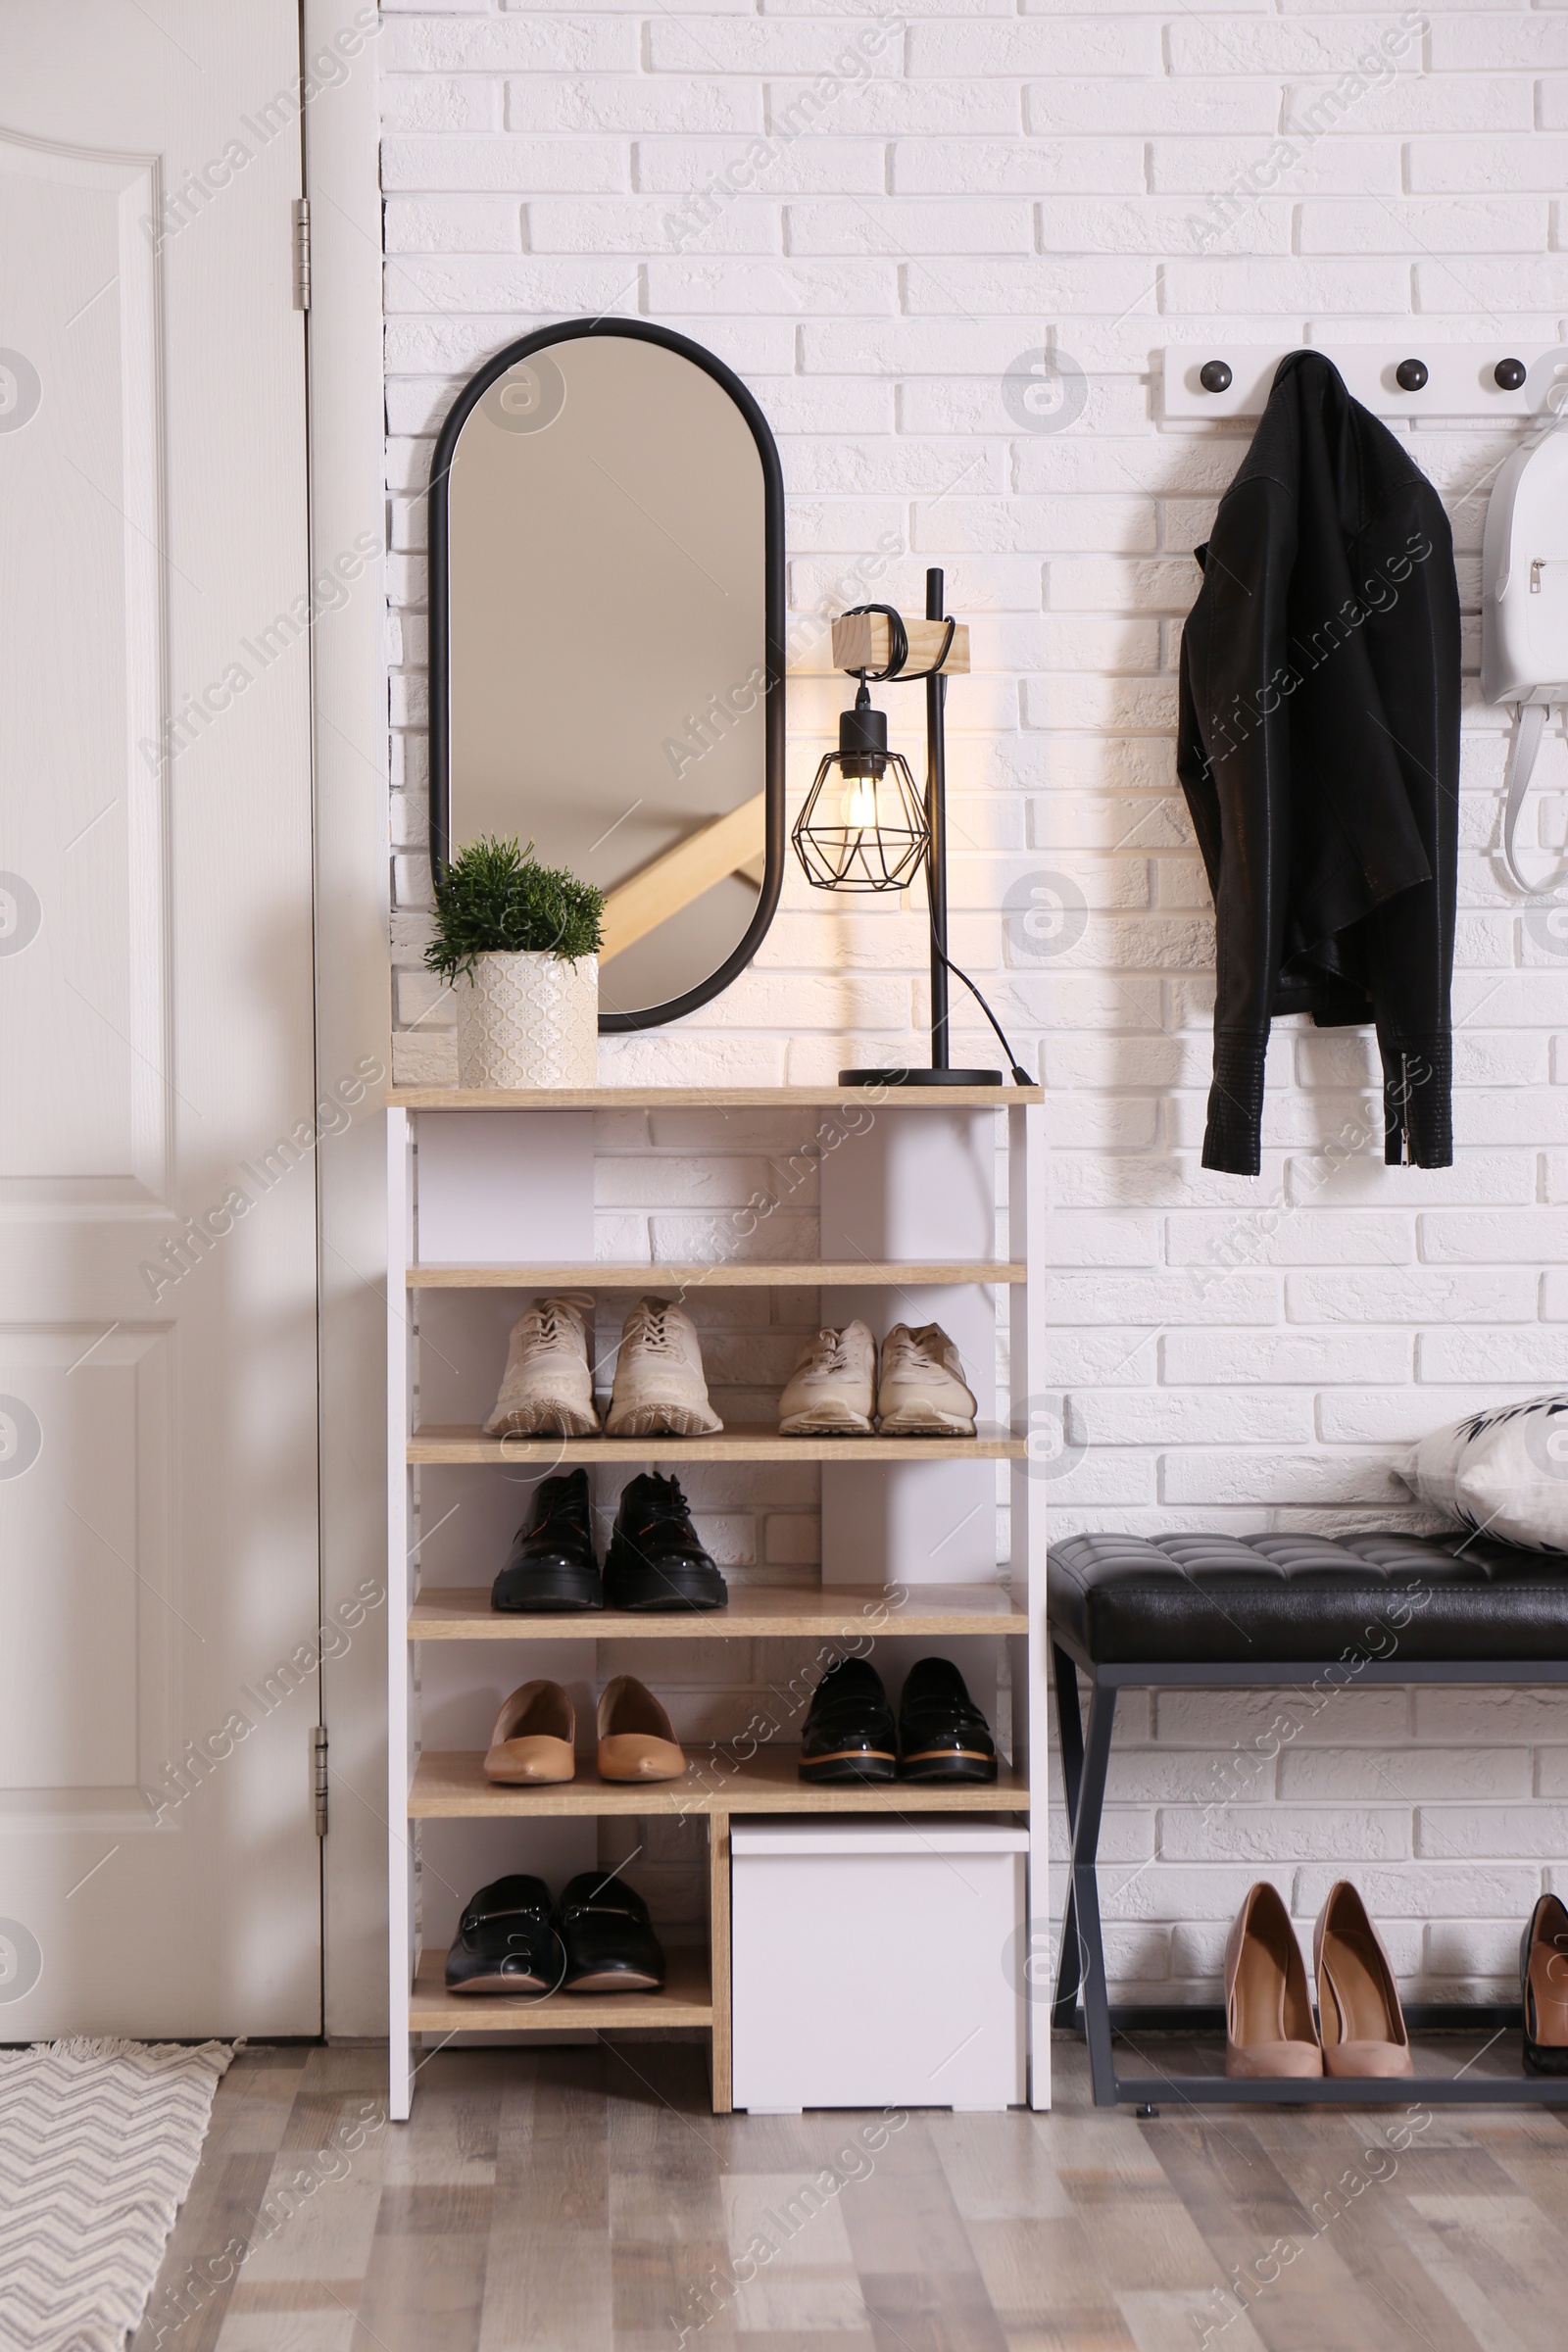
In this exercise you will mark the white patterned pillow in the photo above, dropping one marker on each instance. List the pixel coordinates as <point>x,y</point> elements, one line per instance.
<point>1503,1473</point>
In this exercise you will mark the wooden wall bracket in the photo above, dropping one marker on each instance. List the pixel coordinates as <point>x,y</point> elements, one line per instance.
<point>861,641</point>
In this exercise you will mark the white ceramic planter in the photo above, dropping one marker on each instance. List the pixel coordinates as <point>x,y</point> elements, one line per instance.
<point>529,1020</point>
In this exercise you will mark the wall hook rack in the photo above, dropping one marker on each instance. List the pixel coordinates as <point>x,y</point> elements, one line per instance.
<point>1520,381</point>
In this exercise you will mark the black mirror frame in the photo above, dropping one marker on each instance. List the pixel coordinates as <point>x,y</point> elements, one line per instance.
<point>773,631</point>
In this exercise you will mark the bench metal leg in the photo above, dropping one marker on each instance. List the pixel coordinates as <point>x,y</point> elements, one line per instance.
<point>1070,1732</point>
<point>1086,1892</point>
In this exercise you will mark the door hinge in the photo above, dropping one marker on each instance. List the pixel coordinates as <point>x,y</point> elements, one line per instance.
<point>318,1759</point>
<point>302,253</point>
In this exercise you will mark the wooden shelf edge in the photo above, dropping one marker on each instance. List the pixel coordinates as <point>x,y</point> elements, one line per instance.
<point>717,1275</point>
<point>450,1785</point>
<point>685,2000</point>
<point>433,1446</point>
<point>709,1097</point>
<point>756,1612</point>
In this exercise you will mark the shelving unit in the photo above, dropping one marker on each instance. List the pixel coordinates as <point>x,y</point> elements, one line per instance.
<point>464,1191</point>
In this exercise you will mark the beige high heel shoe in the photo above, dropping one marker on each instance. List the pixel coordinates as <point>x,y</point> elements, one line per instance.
<point>1268,2009</point>
<point>535,1737</point>
<point>1358,2010</point>
<point>636,1738</point>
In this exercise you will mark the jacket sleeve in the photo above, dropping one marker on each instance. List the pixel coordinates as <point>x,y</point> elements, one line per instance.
<point>1233,758</point>
<point>1413,645</point>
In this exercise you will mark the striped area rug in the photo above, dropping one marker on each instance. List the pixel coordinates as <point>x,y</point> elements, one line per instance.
<point>98,2143</point>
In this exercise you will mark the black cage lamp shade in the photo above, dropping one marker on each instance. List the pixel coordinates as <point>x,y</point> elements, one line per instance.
<point>863,826</point>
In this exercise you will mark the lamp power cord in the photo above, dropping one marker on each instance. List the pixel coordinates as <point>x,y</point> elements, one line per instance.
<point>1020,1076</point>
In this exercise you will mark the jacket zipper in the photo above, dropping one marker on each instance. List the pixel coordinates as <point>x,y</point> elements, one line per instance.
<point>1404,1110</point>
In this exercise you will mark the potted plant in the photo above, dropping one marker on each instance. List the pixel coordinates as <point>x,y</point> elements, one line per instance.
<point>518,943</point>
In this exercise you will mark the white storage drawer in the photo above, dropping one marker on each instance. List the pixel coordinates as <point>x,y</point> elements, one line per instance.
<point>876,1965</point>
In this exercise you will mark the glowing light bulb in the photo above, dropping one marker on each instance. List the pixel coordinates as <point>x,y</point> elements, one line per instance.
<point>860,802</point>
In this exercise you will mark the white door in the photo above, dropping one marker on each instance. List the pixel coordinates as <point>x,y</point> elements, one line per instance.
<point>158,1868</point>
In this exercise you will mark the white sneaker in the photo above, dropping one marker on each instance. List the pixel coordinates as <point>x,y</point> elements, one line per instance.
<point>922,1389</point>
<point>659,1390</point>
<point>547,1387</point>
<point>832,1389</point>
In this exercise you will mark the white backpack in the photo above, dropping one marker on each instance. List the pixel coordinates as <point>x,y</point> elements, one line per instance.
<point>1524,608</point>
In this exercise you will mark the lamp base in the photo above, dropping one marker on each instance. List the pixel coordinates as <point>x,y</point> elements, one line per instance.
<point>920,1078</point>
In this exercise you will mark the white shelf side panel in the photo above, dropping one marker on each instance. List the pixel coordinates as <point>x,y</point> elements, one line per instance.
<point>1027,1485</point>
<point>400,1663</point>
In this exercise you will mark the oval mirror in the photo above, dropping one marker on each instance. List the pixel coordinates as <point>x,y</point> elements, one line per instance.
<point>607,676</point>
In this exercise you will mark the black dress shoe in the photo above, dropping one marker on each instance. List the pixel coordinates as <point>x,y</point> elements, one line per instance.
<point>508,1940</point>
<point>942,1734</point>
<point>553,1570</point>
<point>654,1559</point>
<point>1544,1985</point>
<point>609,1940</point>
<point>848,1732</point>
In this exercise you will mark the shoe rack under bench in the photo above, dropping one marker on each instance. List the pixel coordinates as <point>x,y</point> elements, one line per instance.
<point>460,1188</point>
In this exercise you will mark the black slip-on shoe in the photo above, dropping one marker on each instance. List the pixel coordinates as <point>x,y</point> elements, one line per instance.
<point>609,1940</point>
<point>656,1559</point>
<point>508,1940</point>
<point>848,1732</point>
<point>942,1734</point>
<point>1543,1987</point>
<point>553,1570</point>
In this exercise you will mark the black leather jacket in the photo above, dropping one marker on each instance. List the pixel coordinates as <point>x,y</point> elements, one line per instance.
<point>1318,746</point>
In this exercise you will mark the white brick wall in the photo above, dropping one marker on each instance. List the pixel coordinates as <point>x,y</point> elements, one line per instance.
<point>988,174</point>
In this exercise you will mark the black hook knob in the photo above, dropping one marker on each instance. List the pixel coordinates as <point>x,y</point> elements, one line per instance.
<point>1411,374</point>
<point>1508,374</point>
<point>1214,376</point>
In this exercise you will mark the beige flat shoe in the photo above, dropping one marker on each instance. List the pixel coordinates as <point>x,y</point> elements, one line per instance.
<point>636,1738</point>
<point>1357,1999</point>
<point>535,1739</point>
<point>1269,2031</point>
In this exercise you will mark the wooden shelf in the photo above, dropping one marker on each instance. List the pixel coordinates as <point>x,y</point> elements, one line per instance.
<point>725,1275</point>
<point>686,2000</point>
<point>450,1785</point>
<point>709,1097</point>
<point>756,1612</point>
<point>437,1445</point>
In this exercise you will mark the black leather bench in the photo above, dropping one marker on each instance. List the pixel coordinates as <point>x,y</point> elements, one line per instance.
<point>1284,1610</point>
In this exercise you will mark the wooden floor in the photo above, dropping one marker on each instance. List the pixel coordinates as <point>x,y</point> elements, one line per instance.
<point>584,2200</point>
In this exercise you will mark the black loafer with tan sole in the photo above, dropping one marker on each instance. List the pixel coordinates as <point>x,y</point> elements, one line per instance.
<point>850,1734</point>
<point>506,1940</point>
<point>942,1734</point>
<point>610,1939</point>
